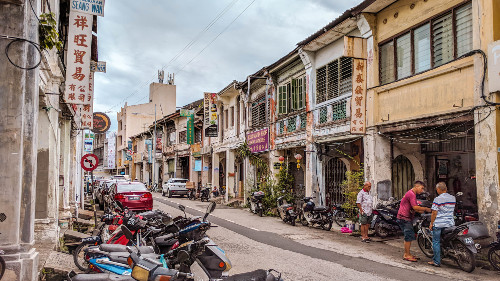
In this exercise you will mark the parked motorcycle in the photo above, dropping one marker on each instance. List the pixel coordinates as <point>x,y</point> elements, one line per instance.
<point>312,214</point>
<point>286,211</point>
<point>205,194</point>
<point>463,215</point>
<point>222,190</point>
<point>384,220</point>
<point>457,242</point>
<point>494,251</point>
<point>256,205</point>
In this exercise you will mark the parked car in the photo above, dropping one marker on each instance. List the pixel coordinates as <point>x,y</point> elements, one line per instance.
<point>175,186</point>
<point>133,195</point>
<point>104,190</point>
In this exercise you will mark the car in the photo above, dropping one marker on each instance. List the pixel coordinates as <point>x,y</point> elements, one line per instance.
<point>132,195</point>
<point>104,190</point>
<point>174,186</point>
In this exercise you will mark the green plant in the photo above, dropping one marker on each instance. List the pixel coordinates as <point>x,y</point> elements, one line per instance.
<point>350,188</point>
<point>49,37</point>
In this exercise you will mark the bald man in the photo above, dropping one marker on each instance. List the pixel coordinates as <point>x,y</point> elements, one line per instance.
<point>364,201</point>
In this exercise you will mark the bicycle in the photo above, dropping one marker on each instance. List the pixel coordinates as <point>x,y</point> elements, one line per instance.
<point>3,217</point>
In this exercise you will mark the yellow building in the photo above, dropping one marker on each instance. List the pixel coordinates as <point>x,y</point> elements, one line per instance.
<point>427,118</point>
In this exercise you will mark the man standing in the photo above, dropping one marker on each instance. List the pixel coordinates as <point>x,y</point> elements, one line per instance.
<point>442,217</point>
<point>407,209</point>
<point>364,202</point>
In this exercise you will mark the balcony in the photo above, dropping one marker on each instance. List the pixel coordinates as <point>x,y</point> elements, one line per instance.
<point>292,124</point>
<point>332,113</point>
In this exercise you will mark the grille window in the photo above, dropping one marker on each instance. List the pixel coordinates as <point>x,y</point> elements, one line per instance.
<point>258,111</point>
<point>422,48</point>
<point>442,33</point>
<point>334,80</point>
<point>464,29</point>
<point>182,137</point>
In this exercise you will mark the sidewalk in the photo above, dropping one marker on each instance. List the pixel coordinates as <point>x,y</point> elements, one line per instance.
<point>388,251</point>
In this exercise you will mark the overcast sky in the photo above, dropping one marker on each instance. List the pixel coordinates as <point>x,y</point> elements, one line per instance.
<point>137,38</point>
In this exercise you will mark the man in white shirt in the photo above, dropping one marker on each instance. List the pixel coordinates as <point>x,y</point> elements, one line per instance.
<point>364,202</point>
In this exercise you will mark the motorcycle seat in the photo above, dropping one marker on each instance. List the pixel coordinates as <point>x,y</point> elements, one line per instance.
<point>123,248</point>
<point>122,257</point>
<point>448,230</point>
<point>100,277</point>
<point>320,209</point>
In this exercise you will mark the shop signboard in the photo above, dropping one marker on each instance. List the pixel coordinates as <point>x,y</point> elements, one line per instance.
<point>258,141</point>
<point>159,142</point>
<point>190,129</point>
<point>86,110</point>
<point>149,147</point>
<point>88,145</point>
<point>98,66</point>
<point>101,122</point>
<point>92,7</point>
<point>211,131</point>
<point>111,151</point>
<point>197,165</point>
<point>78,64</point>
<point>358,99</point>
<point>186,112</point>
<point>129,150</point>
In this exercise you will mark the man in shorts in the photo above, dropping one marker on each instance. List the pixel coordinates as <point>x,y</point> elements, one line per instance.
<point>406,213</point>
<point>364,202</point>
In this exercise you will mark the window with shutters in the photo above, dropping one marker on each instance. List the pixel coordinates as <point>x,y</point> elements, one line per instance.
<point>291,96</point>
<point>431,44</point>
<point>283,99</point>
<point>334,80</point>
<point>258,112</point>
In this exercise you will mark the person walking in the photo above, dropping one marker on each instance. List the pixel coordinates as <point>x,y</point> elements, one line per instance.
<point>441,218</point>
<point>364,202</point>
<point>406,213</point>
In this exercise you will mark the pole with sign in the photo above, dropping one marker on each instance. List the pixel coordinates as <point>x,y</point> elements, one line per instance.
<point>89,163</point>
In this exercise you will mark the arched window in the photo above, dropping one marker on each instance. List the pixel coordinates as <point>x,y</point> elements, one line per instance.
<point>403,176</point>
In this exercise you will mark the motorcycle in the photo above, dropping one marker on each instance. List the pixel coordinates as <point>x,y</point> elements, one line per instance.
<point>285,211</point>
<point>461,214</point>
<point>256,205</point>
<point>339,215</point>
<point>312,214</point>
<point>494,251</point>
<point>205,194</point>
<point>222,190</point>
<point>384,220</point>
<point>457,242</point>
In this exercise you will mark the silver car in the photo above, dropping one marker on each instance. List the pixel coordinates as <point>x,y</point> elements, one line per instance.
<point>175,186</point>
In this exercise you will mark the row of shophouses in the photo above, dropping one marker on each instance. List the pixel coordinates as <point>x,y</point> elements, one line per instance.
<point>397,88</point>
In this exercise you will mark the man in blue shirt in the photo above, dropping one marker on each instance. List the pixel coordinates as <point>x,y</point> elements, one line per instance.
<point>441,218</point>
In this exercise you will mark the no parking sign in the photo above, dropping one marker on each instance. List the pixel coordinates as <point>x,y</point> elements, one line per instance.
<point>89,162</point>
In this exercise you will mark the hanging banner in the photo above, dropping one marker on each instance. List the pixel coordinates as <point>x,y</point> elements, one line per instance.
<point>358,99</point>
<point>111,151</point>
<point>190,130</point>
<point>92,7</point>
<point>197,166</point>
<point>129,150</point>
<point>149,147</point>
<point>78,64</point>
<point>159,142</point>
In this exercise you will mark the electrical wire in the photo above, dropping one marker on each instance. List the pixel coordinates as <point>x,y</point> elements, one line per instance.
<point>31,5</point>
<point>19,39</point>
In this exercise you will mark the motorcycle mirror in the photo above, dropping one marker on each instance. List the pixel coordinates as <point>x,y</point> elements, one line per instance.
<point>210,209</point>
<point>460,193</point>
<point>183,209</point>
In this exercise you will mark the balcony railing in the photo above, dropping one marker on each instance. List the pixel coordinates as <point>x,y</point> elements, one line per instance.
<point>336,111</point>
<point>292,124</point>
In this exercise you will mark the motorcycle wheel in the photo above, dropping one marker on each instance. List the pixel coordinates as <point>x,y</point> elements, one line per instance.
<point>260,212</point>
<point>303,220</point>
<point>494,257</point>
<point>380,231</point>
<point>465,259</point>
<point>79,258</point>
<point>292,221</point>
<point>425,246</point>
<point>2,267</point>
<point>327,225</point>
<point>340,218</point>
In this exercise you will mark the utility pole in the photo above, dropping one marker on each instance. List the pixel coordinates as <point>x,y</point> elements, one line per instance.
<point>154,149</point>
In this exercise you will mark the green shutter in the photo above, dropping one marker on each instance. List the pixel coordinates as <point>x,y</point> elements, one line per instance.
<point>280,100</point>
<point>294,94</point>
<point>300,93</point>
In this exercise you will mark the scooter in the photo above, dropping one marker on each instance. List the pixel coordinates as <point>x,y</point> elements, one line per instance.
<point>285,211</point>
<point>312,214</point>
<point>384,220</point>
<point>256,205</point>
<point>457,242</point>
<point>205,194</point>
<point>494,251</point>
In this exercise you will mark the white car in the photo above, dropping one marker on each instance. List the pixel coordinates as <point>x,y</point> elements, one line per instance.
<point>175,186</point>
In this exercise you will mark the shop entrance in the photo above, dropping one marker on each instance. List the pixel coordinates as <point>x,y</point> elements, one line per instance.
<point>335,174</point>
<point>403,176</point>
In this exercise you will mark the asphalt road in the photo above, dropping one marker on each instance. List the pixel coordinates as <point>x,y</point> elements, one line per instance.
<point>305,253</point>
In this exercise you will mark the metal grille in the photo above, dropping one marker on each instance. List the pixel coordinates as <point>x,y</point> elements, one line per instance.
<point>303,120</point>
<point>182,137</point>
<point>345,76</point>
<point>463,23</point>
<point>403,176</point>
<point>339,110</point>
<point>323,114</point>
<point>292,124</point>
<point>335,175</point>
<point>321,85</point>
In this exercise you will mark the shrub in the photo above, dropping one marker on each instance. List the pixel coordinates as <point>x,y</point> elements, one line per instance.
<point>350,188</point>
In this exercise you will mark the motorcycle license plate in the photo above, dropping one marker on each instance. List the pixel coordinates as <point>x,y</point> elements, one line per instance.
<point>133,198</point>
<point>469,240</point>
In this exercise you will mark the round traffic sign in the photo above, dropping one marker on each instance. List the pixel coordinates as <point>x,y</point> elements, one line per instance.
<point>89,162</point>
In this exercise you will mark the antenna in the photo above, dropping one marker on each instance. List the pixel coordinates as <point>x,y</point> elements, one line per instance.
<point>161,76</point>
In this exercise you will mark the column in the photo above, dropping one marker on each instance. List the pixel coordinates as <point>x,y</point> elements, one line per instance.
<point>378,164</point>
<point>215,170</point>
<point>230,180</point>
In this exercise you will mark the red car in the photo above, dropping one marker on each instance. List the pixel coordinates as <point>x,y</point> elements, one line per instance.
<point>133,195</point>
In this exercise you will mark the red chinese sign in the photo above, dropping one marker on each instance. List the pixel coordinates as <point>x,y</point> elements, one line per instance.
<point>86,111</point>
<point>358,100</point>
<point>78,89</point>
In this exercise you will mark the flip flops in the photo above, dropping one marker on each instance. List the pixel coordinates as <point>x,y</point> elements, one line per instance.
<point>434,264</point>
<point>412,259</point>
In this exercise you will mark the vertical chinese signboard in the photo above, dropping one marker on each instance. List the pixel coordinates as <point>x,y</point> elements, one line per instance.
<point>258,141</point>
<point>111,151</point>
<point>78,63</point>
<point>210,114</point>
<point>190,124</point>
<point>86,111</point>
<point>358,100</point>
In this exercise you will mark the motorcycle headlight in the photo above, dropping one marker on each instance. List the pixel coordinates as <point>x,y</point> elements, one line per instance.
<point>139,273</point>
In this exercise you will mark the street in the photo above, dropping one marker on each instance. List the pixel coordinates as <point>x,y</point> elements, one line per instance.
<point>306,253</point>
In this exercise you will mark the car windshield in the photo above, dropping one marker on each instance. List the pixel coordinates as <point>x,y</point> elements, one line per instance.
<point>131,187</point>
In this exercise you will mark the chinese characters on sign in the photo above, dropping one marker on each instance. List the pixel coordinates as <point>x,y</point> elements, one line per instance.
<point>358,100</point>
<point>78,65</point>
<point>210,114</point>
<point>190,129</point>
<point>258,141</point>
<point>111,151</point>
<point>86,111</point>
